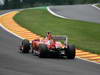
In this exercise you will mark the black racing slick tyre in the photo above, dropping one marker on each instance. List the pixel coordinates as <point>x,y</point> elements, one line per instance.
<point>70,52</point>
<point>43,50</point>
<point>25,46</point>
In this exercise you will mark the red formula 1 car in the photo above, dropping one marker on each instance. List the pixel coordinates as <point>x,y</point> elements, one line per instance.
<point>51,46</point>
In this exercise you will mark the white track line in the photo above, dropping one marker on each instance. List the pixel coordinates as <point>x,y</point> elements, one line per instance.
<point>8,29</point>
<point>53,13</point>
<point>87,60</point>
<point>94,5</point>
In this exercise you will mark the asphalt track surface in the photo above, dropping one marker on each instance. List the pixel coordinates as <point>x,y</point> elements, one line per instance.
<point>12,62</point>
<point>78,12</point>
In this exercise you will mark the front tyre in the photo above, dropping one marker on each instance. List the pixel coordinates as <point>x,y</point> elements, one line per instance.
<point>25,46</point>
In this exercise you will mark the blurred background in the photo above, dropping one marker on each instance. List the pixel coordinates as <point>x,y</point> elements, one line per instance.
<point>15,4</point>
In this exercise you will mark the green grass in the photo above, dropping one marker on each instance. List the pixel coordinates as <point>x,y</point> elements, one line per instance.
<point>85,35</point>
<point>98,5</point>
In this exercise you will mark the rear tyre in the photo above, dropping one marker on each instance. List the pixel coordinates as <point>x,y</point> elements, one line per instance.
<point>70,52</point>
<point>43,50</point>
<point>25,46</point>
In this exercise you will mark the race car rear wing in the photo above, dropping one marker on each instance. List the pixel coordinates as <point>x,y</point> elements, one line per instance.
<point>61,37</point>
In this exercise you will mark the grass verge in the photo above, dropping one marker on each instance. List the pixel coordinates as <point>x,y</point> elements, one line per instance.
<point>98,5</point>
<point>85,35</point>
